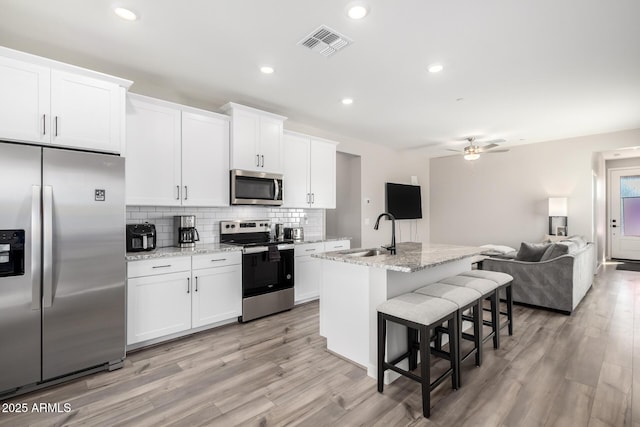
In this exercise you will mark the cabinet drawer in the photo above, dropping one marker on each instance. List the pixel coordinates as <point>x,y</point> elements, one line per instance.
<point>308,249</point>
<point>218,259</point>
<point>339,245</point>
<point>151,267</point>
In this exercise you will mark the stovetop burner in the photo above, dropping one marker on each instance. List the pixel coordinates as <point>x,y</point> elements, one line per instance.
<point>248,233</point>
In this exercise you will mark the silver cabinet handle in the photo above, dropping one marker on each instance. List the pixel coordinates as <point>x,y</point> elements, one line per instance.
<point>258,160</point>
<point>313,198</point>
<point>310,250</point>
<point>47,250</point>
<point>44,124</point>
<point>177,192</point>
<point>188,285</point>
<point>56,126</point>
<point>185,192</point>
<point>161,266</point>
<point>196,283</point>
<point>218,260</point>
<point>36,247</point>
<point>308,197</point>
<point>262,160</point>
<point>338,247</point>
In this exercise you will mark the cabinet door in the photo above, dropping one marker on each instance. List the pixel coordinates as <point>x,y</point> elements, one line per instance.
<point>153,154</point>
<point>217,295</point>
<point>296,171</point>
<point>308,272</point>
<point>244,141</point>
<point>270,146</point>
<point>205,160</point>
<point>25,101</point>
<point>323,174</point>
<point>85,112</point>
<point>158,306</point>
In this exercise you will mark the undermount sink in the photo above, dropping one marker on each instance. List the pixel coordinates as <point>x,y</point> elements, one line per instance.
<point>368,253</point>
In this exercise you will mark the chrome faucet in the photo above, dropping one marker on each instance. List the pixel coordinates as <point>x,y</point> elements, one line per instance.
<point>392,247</point>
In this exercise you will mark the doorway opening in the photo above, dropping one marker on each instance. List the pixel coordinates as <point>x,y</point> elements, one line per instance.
<point>345,219</point>
<point>624,213</point>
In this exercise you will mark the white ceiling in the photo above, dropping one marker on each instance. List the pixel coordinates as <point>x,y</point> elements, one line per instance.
<point>526,71</point>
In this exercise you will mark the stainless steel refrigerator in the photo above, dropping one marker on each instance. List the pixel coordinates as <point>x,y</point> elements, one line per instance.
<point>62,265</point>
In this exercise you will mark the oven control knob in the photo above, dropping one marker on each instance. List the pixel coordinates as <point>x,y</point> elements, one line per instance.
<point>288,276</point>
<point>227,226</point>
<point>233,226</point>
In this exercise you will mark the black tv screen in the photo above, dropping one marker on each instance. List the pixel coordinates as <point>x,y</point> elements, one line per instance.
<point>404,201</point>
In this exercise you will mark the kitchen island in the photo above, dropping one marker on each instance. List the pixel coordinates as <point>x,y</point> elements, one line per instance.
<point>356,281</point>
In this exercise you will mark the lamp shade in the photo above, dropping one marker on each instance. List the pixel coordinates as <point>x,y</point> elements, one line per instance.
<point>558,206</point>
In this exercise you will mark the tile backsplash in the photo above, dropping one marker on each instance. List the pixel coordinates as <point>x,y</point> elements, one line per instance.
<point>208,219</point>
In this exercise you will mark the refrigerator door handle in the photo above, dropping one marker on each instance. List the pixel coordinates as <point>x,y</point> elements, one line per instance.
<point>36,246</point>
<point>47,246</point>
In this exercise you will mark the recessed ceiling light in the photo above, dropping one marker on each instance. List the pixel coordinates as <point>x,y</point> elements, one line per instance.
<point>435,68</point>
<point>267,69</point>
<point>125,14</point>
<point>347,101</point>
<point>357,12</point>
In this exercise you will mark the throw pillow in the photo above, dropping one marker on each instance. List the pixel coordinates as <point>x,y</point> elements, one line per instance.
<point>531,251</point>
<point>554,251</point>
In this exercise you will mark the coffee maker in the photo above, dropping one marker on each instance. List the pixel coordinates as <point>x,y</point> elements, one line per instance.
<point>185,234</point>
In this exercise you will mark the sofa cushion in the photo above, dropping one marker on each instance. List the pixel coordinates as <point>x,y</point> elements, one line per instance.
<point>531,251</point>
<point>579,241</point>
<point>554,251</point>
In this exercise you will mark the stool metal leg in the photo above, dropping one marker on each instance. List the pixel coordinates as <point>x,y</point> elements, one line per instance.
<point>425,371</point>
<point>454,351</point>
<point>412,346</point>
<point>477,331</point>
<point>510,308</point>
<point>495,318</point>
<point>382,340</point>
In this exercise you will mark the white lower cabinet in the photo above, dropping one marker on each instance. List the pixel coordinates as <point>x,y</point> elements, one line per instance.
<point>217,292</point>
<point>308,269</point>
<point>167,297</point>
<point>158,304</point>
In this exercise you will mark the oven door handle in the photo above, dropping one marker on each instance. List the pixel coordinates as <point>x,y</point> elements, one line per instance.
<point>259,249</point>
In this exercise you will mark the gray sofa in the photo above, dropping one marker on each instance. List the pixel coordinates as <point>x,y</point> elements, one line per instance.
<point>559,283</point>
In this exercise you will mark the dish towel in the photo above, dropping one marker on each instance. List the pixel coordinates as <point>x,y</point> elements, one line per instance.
<point>274,254</point>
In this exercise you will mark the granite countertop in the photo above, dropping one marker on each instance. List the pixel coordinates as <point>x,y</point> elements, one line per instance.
<point>312,239</point>
<point>172,251</point>
<point>410,256</point>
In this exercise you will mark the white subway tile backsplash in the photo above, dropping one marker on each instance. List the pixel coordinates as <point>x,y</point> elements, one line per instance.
<point>208,219</point>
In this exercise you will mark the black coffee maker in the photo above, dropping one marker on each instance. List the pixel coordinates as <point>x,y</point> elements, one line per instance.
<point>185,234</point>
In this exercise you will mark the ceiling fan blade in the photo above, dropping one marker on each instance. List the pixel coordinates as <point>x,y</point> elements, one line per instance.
<point>455,151</point>
<point>504,150</point>
<point>489,146</point>
<point>494,141</point>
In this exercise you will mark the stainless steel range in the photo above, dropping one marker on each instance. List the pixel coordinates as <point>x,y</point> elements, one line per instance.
<point>267,267</point>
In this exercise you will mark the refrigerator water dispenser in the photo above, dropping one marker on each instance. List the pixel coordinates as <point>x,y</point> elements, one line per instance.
<point>11,253</point>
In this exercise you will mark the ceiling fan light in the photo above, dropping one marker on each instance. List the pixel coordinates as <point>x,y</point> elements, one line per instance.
<point>472,156</point>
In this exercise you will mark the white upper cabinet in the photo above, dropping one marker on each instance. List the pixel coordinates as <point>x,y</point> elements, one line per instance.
<point>47,102</point>
<point>309,172</point>
<point>25,101</point>
<point>256,139</point>
<point>205,159</point>
<point>153,166</point>
<point>176,155</point>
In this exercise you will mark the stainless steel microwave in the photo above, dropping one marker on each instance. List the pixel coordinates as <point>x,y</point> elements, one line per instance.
<point>255,188</point>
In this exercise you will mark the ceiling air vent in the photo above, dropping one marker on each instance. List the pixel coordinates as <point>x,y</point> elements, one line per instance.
<point>325,41</point>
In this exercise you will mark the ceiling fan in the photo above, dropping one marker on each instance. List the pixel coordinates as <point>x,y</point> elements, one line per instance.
<point>473,150</point>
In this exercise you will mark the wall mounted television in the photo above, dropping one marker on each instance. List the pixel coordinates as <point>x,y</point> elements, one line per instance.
<point>403,201</point>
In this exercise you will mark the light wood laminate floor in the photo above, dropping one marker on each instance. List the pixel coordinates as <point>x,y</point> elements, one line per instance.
<point>556,370</point>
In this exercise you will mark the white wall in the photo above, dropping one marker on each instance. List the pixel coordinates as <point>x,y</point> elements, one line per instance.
<point>502,198</point>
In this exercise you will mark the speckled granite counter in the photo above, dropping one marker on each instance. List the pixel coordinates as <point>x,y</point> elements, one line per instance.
<point>172,252</point>
<point>411,257</point>
<point>312,239</point>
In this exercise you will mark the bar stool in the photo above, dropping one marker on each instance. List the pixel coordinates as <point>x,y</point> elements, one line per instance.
<point>419,313</point>
<point>504,281</point>
<point>489,290</point>
<point>465,299</point>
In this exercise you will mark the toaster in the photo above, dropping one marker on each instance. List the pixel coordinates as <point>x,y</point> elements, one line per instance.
<point>141,237</point>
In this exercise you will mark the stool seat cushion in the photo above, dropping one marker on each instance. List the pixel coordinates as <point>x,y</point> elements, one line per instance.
<point>483,286</point>
<point>458,295</point>
<point>498,277</point>
<point>418,308</point>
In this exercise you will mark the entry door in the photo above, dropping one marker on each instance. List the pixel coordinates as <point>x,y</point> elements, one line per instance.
<point>624,213</point>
